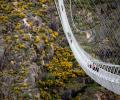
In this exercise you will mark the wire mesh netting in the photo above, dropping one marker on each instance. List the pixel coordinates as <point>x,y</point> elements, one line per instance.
<point>96,26</point>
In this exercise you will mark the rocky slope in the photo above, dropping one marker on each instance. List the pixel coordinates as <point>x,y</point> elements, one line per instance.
<point>36,62</point>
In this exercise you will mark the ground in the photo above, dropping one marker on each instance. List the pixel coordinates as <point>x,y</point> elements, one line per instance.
<point>36,62</point>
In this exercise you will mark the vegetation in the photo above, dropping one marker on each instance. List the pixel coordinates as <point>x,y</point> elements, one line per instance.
<point>36,62</point>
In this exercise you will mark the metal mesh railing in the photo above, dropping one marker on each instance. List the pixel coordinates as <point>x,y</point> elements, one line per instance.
<point>104,65</point>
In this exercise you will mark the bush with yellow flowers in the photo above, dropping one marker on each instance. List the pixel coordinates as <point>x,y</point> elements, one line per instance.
<point>43,1</point>
<point>35,64</point>
<point>61,70</point>
<point>37,39</point>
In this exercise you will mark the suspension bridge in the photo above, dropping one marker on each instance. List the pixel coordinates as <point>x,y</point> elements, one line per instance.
<point>92,30</point>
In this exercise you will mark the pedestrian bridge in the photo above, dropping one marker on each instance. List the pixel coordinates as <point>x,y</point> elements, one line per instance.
<point>93,31</point>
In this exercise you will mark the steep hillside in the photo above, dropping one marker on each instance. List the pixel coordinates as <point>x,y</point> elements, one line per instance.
<point>36,62</point>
